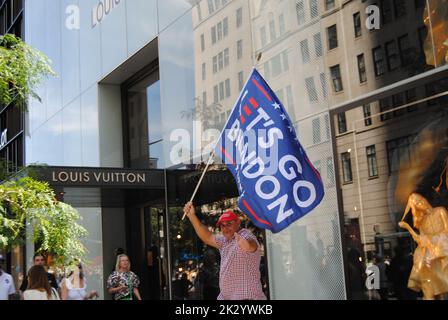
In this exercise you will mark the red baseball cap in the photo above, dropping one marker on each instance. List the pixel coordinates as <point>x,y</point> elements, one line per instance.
<point>227,216</point>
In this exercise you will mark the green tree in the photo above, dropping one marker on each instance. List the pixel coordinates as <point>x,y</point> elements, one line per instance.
<point>27,202</point>
<point>22,69</point>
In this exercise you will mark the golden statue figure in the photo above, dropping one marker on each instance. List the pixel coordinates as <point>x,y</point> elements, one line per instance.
<point>430,271</point>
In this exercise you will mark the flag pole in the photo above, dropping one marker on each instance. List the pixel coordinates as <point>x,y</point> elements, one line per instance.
<point>200,180</point>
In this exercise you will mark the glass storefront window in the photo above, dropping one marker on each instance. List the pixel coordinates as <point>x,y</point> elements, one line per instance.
<point>405,154</point>
<point>145,126</point>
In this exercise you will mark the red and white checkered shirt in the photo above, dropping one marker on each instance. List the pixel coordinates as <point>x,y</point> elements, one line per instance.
<point>239,275</point>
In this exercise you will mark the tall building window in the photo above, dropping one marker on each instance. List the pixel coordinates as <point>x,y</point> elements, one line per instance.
<point>332,37</point>
<point>314,8</point>
<point>346,167</point>
<point>329,4</point>
<point>215,94</point>
<point>227,88</point>
<point>240,80</point>
<point>330,172</point>
<point>281,24</point>
<point>371,161</point>
<point>397,102</point>
<point>367,114</point>
<point>239,17</point>
<point>342,122</point>
<point>386,11</point>
<point>393,60</point>
<point>211,8</point>
<point>220,61</point>
<point>405,50</point>
<point>202,43</point>
<point>384,106</point>
<point>400,152</point>
<point>323,83</point>
<point>305,51</point>
<point>318,44</point>
<point>300,11</point>
<point>263,36</point>
<point>316,130</point>
<point>226,57</point>
<point>221,91</point>
<point>357,24</point>
<point>219,31</point>
<point>213,35</point>
<point>311,89</point>
<point>203,71</point>
<point>362,69</point>
<point>225,27</point>
<point>336,78</point>
<point>215,64</point>
<point>272,30</point>
<point>378,61</point>
<point>239,49</point>
<point>400,8</point>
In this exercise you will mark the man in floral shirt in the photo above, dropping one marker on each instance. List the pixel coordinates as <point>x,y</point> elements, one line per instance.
<point>239,275</point>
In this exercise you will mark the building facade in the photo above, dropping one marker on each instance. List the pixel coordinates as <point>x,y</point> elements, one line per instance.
<point>12,125</point>
<point>145,86</point>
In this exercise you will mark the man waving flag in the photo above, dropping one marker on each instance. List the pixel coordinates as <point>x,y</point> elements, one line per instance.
<point>276,181</point>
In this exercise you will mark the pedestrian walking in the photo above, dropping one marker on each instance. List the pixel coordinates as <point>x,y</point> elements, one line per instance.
<point>7,287</point>
<point>123,283</point>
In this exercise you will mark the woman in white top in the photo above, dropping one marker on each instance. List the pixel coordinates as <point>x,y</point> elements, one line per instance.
<point>74,287</point>
<point>38,286</point>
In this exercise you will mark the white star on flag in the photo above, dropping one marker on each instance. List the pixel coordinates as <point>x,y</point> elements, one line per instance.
<point>290,128</point>
<point>276,105</point>
<point>283,116</point>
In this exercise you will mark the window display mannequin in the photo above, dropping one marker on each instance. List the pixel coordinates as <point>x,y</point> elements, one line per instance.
<point>430,270</point>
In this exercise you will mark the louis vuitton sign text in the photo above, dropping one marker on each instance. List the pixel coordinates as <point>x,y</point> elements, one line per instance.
<point>101,177</point>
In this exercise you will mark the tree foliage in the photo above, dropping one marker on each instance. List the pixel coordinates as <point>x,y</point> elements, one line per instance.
<point>22,68</point>
<point>30,203</point>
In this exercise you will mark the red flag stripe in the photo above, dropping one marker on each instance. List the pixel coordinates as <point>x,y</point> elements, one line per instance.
<point>243,120</point>
<point>254,103</point>
<point>255,216</point>
<point>262,90</point>
<point>247,110</point>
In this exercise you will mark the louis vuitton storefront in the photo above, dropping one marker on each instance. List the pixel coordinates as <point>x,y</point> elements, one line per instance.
<point>141,213</point>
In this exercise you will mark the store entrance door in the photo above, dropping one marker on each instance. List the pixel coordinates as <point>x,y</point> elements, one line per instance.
<point>146,244</point>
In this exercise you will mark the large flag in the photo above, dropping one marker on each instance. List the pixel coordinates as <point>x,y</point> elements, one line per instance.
<point>277,183</point>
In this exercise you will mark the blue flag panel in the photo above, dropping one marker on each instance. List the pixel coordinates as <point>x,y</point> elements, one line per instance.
<point>276,181</point>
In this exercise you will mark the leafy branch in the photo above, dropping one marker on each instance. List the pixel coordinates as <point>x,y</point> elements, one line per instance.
<point>22,68</point>
<point>28,202</point>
